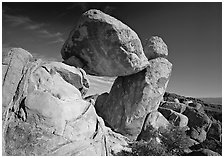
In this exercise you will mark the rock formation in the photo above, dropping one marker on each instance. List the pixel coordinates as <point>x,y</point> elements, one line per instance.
<point>154,47</point>
<point>132,97</point>
<point>44,113</point>
<point>103,45</point>
<point>198,123</point>
<point>45,110</point>
<point>177,119</point>
<point>154,121</point>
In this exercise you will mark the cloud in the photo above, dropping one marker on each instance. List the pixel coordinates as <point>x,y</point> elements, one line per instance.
<point>46,34</point>
<point>59,40</point>
<point>28,24</point>
<point>16,20</point>
<point>82,5</point>
<point>34,26</point>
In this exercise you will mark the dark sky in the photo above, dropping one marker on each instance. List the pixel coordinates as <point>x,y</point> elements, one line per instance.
<point>192,31</point>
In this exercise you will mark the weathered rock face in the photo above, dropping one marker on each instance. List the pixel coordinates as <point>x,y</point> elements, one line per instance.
<point>154,47</point>
<point>177,119</point>
<point>198,123</point>
<point>178,107</point>
<point>154,121</point>
<point>47,115</point>
<point>215,131</point>
<point>14,66</point>
<point>133,97</point>
<point>103,45</point>
<point>75,76</point>
<point>203,152</point>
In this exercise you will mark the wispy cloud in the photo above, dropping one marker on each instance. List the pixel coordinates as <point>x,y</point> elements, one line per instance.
<point>46,34</point>
<point>56,37</point>
<point>59,40</point>
<point>16,20</point>
<point>82,5</point>
<point>34,26</point>
<point>28,24</point>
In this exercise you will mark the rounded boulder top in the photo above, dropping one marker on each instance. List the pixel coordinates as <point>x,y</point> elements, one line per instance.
<point>104,46</point>
<point>155,47</point>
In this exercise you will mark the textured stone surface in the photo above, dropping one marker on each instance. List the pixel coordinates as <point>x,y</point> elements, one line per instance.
<point>198,123</point>
<point>103,45</point>
<point>215,130</point>
<point>48,116</point>
<point>154,121</point>
<point>75,76</point>
<point>203,152</point>
<point>175,118</point>
<point>178,107</point>
<point>155,47</point>
<point>133,97</point>
<point>14,66</point>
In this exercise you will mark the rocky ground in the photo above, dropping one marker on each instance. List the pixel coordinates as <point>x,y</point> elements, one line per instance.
<point>62,108</point>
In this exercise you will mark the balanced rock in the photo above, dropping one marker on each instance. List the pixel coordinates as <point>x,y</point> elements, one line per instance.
<point>154,47</point>
<point>175,118</point>
<point>103,45</point>
<point>48,116</point>
<point>132,97</point>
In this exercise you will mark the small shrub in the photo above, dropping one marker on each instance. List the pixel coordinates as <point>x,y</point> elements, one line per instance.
<point>143,148</point>
<point>175,140</point>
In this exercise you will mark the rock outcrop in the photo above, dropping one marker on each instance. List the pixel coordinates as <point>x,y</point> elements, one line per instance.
<point>202,152</point>
<point>175,118</point>
<point>133,97</point>
<point>178,107</point>
<point>154,47</point>
<point>154,121</point>
<point>198,123</point>
<point>14,66</point>
<point>215,130</point>
<point>46,114</point>
<point>103,45</point>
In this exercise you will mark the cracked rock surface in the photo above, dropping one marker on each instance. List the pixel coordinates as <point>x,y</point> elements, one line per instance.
<point>133,97</point>
<point>45,114</point>
<point>104,46</point>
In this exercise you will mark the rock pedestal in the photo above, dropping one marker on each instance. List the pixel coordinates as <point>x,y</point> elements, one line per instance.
<point>132,97</point>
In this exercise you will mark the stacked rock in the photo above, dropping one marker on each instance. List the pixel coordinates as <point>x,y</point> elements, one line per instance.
<point>104,46</point>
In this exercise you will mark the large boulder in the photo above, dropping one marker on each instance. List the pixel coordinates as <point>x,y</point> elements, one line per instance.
<point>178,107</point>
<point>175,118</point>
<point>198,122</point>
<point>14,66</point>
<point>48,116</point>
<point>132,97</point>
<point>103,45</point>
<point>154,121</point>
<point>154,47</point>
<point>215,130</point>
